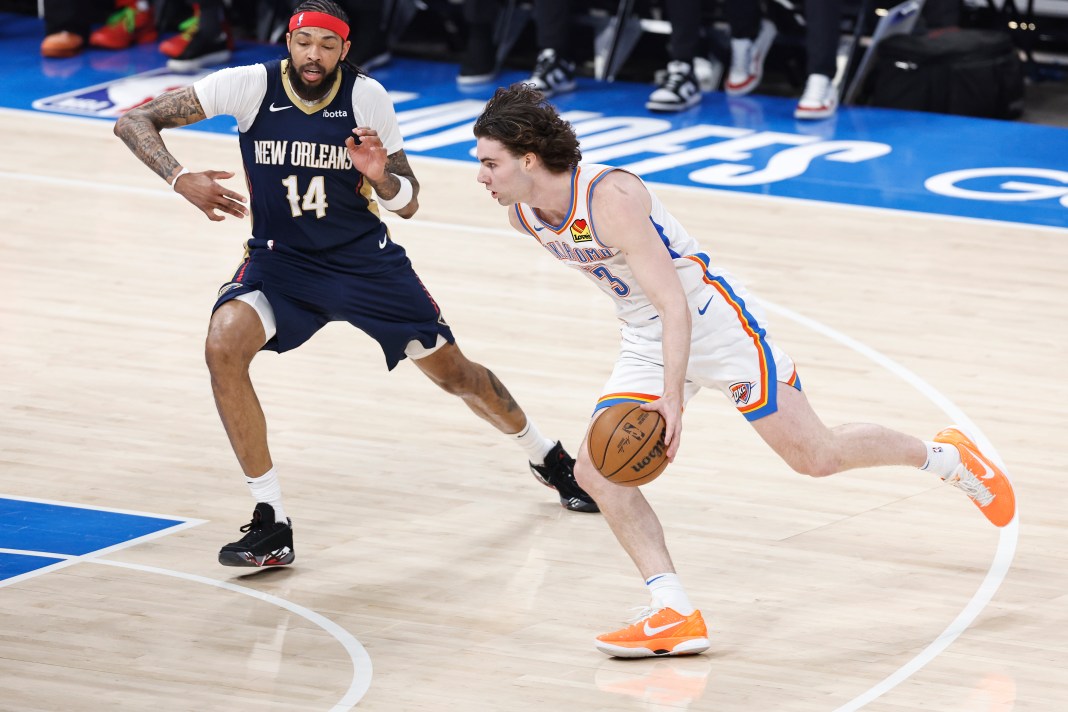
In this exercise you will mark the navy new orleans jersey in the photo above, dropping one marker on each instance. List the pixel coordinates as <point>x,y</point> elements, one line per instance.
<point>319,251</point>
<point>307,195</point>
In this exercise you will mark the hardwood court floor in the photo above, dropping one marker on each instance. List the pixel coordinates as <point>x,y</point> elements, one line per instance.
<point>419,532</point>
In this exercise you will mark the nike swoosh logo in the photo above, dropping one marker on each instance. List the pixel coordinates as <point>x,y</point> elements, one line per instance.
<point>660,628</point>
<point>988,474</point>
<point>272,107</point>
<point>382,242</point>
<point>703,309</point>
<point>538,229</point>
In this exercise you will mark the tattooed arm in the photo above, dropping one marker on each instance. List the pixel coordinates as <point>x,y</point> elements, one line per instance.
<point>383,172</point>
<point>140,129</point>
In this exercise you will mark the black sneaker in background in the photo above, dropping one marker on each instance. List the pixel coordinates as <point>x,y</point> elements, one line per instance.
<point>479,63</point>
<point>266,542</point>
<point>677,90</point>
<point>552,75</point>
<point>203,50</point>
<point>558,472</point>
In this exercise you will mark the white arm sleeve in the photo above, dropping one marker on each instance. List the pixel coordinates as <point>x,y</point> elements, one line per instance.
<point>373,109</point>
<point>237,92</point>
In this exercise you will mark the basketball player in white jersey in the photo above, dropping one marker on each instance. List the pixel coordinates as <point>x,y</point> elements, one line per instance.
<point>685,325</point>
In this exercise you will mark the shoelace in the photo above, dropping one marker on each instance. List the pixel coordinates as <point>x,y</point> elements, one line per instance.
<point>189,27</point>
<point>125,17</point>
<point>964,480</point>
<point>678,74</point>
<point>643,612</point>
<point>815,91</point>
<point>544,65</point>
<point>256,523</point>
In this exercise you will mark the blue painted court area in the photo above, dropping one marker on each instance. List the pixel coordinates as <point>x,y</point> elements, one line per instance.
<point>42,528</point>
<point>880,158</point>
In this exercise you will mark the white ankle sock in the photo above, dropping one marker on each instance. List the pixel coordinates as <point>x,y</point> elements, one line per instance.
<point>942,459</point>
<point>266,488</point>
<point>536,445</point>
<point>667,592</point>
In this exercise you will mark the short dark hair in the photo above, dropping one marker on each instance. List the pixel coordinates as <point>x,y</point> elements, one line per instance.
<point>523,122</point>
<point>324,6</point>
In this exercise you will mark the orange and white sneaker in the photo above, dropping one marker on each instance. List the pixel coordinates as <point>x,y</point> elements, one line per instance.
<point>657,632</point>
<point>979,478</point>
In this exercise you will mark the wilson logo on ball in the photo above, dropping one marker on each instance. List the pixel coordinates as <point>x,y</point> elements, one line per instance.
<point>655,454</point>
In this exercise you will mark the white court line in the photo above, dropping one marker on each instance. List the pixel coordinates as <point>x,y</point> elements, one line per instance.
<point>1009,535</point>
<point>95,508</point>
<point>361,661</point>
<point>180,523</point>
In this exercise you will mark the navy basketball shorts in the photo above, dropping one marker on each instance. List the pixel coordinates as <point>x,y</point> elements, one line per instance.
<point>382,297</point>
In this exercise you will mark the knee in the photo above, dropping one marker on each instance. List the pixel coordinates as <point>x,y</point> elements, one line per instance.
<point>587,476</point>
<point>813,463</point>
<point>222,355</point>
<point>814,467</point>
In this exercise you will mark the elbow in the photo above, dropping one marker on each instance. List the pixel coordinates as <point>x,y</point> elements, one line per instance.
<point>124,125</point>
<point>410,209</point>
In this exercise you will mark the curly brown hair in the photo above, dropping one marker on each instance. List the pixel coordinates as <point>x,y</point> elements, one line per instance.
<point>523,122</point>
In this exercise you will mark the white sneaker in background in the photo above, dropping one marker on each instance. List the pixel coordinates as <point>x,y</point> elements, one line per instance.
<point>708,72</point>
<point>819,100</point>
<point>747,60</point>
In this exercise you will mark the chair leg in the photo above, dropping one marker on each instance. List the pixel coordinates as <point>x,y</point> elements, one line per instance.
<point>615,41</point>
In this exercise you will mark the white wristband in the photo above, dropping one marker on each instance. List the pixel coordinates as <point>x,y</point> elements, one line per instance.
<point>402,198</point>
<point>181,173</point>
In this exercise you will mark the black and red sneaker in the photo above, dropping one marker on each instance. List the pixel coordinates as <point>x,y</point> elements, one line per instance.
<point>266,543</point>
<point>558,472</point>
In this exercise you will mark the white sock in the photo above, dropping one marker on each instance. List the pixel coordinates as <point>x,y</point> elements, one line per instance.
<point>536,445</point>
<point>942,459</point>
<point>667,592</point>
<point>266,488</point>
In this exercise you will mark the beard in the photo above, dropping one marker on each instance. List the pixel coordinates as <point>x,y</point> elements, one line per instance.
<point>311,92</point>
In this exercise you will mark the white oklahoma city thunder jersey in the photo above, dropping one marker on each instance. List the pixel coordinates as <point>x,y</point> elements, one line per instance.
<point>575,242</point>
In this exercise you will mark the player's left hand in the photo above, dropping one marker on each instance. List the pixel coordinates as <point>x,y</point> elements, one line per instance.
<point>670,409</point>
<point>367,153</point>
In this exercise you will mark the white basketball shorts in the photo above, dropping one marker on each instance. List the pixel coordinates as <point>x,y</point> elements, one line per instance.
<point>729,351</point>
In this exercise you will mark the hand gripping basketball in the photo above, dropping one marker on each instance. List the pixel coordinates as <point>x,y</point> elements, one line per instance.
<point>626,444</point>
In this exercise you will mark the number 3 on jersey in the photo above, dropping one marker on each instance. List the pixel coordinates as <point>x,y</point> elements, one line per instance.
<point>618,285</point>
<point>314,198</point>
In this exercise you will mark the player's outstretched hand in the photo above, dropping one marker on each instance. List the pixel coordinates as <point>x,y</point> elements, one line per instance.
<point>203,190</point>
<point>367,153</point>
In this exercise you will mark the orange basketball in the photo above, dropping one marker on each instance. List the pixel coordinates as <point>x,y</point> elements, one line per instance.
<point>626,444</point>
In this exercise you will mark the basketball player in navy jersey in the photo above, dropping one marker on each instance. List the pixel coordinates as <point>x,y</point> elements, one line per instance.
<point>686,324</point>
<point>323,152</point>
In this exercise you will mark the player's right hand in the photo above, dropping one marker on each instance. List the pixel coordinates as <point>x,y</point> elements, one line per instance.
<point>203,190</point>
<point>670,409</point>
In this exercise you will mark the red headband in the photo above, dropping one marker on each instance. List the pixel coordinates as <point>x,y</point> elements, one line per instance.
<point>319,19</point>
